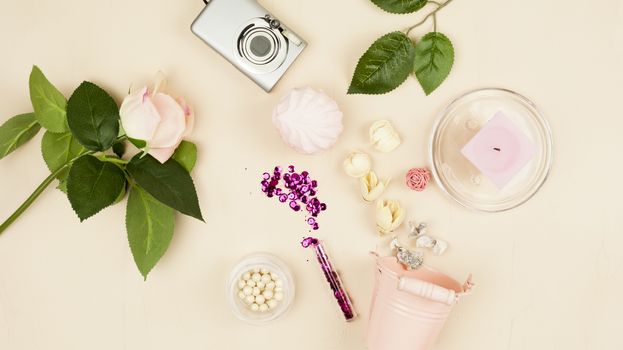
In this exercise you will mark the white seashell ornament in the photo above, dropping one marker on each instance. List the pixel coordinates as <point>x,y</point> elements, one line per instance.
<point>308,120</point>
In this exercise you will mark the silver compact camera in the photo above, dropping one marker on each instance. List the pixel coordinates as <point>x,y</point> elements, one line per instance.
<point>249,37</point>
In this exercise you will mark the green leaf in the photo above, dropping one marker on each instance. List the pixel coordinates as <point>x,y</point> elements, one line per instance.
<point>434,56</point>
<point>119,148</point>
<point>93,117</point>
<point>16,132</point>
<point>186,155</point>
<point>150,228</point>
<point>93,185</point>
<point>121,194</point>
<point>62,186</point>
<point>400,6</point>
<point>169,183</point>
<point>58,150</point>
<point>140,144</point>
<point>49,104</point>
<point>386,65</point>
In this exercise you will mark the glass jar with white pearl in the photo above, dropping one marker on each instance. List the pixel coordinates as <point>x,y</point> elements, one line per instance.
<point>260,288</point>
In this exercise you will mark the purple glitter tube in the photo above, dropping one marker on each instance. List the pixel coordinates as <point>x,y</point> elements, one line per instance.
<point>332,277</point>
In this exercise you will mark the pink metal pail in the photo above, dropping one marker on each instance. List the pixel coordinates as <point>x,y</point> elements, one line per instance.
<point>409,308</point>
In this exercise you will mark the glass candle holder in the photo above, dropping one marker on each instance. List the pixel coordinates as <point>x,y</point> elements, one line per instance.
<point>460,121</point>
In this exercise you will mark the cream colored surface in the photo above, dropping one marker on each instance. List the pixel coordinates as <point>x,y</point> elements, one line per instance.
<point>548,273</point>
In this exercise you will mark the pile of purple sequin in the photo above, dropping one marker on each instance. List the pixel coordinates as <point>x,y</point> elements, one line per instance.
<point>299,190</point>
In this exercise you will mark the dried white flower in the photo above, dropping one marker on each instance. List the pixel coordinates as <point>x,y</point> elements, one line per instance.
<point>357,164</point>
<point>383,136</point>
<point>389,216</point>
<point>371,187</point>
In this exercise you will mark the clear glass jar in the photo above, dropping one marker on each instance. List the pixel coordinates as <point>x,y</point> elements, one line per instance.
<point>259,260</point>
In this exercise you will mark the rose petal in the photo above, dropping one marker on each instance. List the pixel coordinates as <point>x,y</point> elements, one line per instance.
<point>139,116</point>
<point>160,82</point>
<point>190,116</point>
<point>172,122</point>
<point>162,154</point>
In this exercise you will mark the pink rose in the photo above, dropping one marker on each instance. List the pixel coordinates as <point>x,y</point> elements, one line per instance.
<point>417,179</point>
<point>157,119</point>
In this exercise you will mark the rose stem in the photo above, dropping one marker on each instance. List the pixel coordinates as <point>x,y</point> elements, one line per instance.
<point>36,194</point>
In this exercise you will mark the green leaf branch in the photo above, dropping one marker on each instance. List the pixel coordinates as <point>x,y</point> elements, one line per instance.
<point>83,150</point>
<point>393,57</point>
<point>432,14</point>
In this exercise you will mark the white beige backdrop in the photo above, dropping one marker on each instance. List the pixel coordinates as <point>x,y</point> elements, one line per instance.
<point>548,273</point>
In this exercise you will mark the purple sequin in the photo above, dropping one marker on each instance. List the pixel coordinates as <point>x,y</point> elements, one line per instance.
<point>298,190</point>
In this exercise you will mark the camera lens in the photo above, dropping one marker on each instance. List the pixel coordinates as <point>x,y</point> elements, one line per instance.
<point>260,46</point>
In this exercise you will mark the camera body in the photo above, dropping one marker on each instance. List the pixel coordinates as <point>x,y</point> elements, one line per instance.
<point>249,37</point>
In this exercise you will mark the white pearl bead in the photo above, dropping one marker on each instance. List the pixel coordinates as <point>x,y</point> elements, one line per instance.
<point>256,291</point>
<point>261,285</point>
<point>255,307</point>
<point>241,284</point>
<point>268,294</point>
<point>278,289</point>
<point>260,299</point>
<point>278,296</point>
<point>247,290</point>
<point>270,285</point>
<point>279,283</point>
<point>241,295</point>
<point>274,276</point>
<point>256,277</point>
<point>264,271</point>
<point>251,283</point>
<point>246,276</point>
<point>266,278</point>
<point>272,303</point>
<point>249,299</point>
<point>263,308</point>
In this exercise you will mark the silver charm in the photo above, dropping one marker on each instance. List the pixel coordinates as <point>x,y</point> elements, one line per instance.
<point>440,247</point>
<point>423,240</point>
<point>417,230</point>
<point>411,260</point>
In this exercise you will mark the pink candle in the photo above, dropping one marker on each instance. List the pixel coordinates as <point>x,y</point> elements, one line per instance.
<point>499,150</point>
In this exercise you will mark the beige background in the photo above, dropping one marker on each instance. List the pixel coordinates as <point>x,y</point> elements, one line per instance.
<point>548,273</point>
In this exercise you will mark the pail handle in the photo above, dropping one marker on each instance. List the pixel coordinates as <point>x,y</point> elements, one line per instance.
<point>434,292</point>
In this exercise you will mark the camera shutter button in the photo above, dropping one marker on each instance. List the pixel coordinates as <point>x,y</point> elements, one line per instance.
<point>274,23</point>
